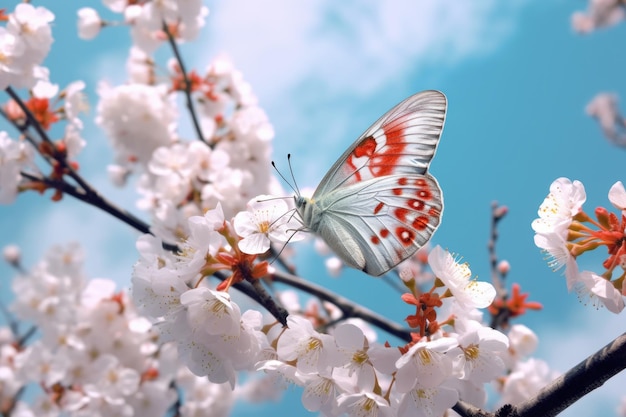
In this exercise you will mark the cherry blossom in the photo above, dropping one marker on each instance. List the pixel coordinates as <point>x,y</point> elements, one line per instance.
<point>525,380</point>
<point>522,340</point>
<point>601,291</point>
<point>426,402</point>
<point>574,232</point>
<point>211,311</point>
<point>267,220</point>
<point>482,348</point>
<point>556,214</point>
<point>137,119</point>
<point>353,347</point>
<point>10,154</point>
<point>560,206</point>
<point>457,278</point>
<point>89,23</point>
<point>617,196</point>
<point>312,351</point>
<point>426,364</point>
<point>11,49</point>
<point>364,404</point>
<point>24,43</point>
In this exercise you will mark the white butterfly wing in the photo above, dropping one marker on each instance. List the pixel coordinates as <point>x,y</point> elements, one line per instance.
<point>404,140</point>
<point>375,224</point>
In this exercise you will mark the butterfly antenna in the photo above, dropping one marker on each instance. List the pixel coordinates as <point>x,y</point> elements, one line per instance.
<point>295,190</point>
<point>293,178</point>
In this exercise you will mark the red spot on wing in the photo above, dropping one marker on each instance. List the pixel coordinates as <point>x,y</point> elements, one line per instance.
<point>421,182</point>
<point>433,212</point>
<point>401,214</point>
<point>366,148</point>
<point>385,161</point>
<point>384,233</point>
<point>416,204</point>
<point>397,191</point>
<point>420,223</point>
<point>375,240</point>
<point>424,194</point>
<point>406,236</point>
<point>379,207</point>
<point>403,181</point>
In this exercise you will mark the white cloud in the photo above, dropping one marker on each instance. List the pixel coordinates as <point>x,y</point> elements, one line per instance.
<point>353,46</point>
<point>324,70</point>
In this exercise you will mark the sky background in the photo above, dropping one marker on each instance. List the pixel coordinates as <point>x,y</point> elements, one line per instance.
<point>517,80</point>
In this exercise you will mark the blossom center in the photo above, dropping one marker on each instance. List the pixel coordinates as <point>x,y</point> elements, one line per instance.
<point>424,356</point>
<point>264,226</point>
<point>359,357</point>
<point>471,352</point>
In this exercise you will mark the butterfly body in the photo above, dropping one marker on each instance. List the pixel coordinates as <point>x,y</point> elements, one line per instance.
<point>378,205</point>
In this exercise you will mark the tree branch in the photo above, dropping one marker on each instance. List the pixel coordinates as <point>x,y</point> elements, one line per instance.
<point>188,98</point>
<point>585,377</point>
<point>347,307</point>
<point>32,121</point>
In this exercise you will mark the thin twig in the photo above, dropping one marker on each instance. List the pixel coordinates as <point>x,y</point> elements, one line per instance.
<point>268,302</point>
<point>22,340</point>
<point>32,121</point>
<point>23,129</point>
<point>497,278</point>
<point>497,214</point>
<point>188,98</point>
<point>347,307</point>
<point>10,319</point>
<point>96,200</point>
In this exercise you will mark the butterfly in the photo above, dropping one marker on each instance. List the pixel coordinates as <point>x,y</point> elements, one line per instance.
<point>378,205</point>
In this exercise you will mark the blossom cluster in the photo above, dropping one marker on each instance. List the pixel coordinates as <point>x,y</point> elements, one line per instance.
<point>342,370</point>
<point>147,19</point>
<point>565,232</point>
<point>88,350</point>
<point>24,43</point>
<point>95,354</point>
<point>179,178</point>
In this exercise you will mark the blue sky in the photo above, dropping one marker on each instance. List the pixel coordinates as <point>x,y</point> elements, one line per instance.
<point>517,80</point>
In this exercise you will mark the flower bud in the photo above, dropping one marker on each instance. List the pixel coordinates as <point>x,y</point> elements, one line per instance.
<point>504,267</point>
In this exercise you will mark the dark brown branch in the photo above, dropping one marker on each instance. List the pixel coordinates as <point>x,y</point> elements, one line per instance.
<point>497,278</point>
<point>93,199</point>
<point>23,129</point>
<point>468,410</point>
<point>32,121</point>
<point>347,307</point>
<point>497,214</point>
<point>188,98</point>
<point>565,390</point>
<point>268,302</point>
<point>585,377</point>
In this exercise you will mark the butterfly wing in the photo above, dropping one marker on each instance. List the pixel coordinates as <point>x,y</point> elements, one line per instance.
<point>375,224</point>
<point>403,141</point>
